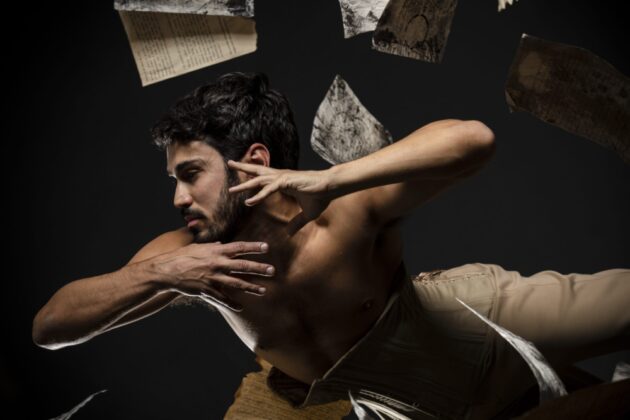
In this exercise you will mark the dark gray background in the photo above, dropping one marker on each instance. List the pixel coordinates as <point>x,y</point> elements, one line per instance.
<point>86,189</point>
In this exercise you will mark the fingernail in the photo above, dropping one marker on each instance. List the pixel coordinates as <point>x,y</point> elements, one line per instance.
<point>270,270</point>
<point>264,247</point>
<point>262,289</point>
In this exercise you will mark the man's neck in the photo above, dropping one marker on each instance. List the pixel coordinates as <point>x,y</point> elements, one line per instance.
<point>269,219</point>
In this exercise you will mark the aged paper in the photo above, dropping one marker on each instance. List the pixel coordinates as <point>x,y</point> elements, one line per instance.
<point>415,28</point>
<point>165,45</point>
<point>503,4</point>
<point>344,129</point>
<point>360,16</point>
<point>549,384</point>
<point>203,7</point>
<point>573,89</point>
<point>68,414</point>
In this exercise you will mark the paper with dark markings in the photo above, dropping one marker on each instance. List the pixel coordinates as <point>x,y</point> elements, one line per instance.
<point>415,28</point>
<point>243,8</point>
<point>360,16</point>
<point>573,89</point>
<point>165,45</point>
<point>344,129</point>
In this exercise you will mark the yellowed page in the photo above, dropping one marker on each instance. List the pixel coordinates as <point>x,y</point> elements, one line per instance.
<point>165,45</point>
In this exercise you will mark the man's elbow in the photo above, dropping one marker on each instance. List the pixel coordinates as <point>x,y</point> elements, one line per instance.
<point>478,142</point>
<point>39,333</point>
<point>42,333</point>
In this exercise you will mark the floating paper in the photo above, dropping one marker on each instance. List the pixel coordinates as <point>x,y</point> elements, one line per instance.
<point>415,29</point>
<point>549,384</point>
<point>503,4</point>
<point>343,129</point>
<point>202,7</point>
<point>371,405</point>
<point>622,371</point>
<point>66,416</point>
<point>360,16</point>
<point>573,89</point>
<point>165,45</point>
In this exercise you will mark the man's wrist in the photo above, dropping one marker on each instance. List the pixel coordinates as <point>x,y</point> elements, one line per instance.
<point>150,272</point>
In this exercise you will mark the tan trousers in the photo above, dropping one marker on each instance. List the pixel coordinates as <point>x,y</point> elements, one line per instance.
<point>432,357</point>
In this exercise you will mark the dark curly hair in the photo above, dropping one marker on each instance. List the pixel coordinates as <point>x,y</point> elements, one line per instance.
<point>230,115</point>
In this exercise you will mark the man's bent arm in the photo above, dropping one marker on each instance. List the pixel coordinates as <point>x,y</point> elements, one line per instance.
<point>415,168</point>
<point>85,308</point>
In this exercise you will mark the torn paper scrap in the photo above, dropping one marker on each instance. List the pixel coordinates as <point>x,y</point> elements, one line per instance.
<point>415,29</point>
<point>573,89</point>
<point>67,415</point>
<point>243,8</point>
<point>622,371</point>
<point>360,411</point>
<point>360,16</point>
<point>343,129</point>
<point>165,45</point>
<point>549,384</point>
<point>373,405</point>
<point>503,4</point>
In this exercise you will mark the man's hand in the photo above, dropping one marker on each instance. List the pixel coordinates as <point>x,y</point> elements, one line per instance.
<point>310,189</point>
<point>203,270</point>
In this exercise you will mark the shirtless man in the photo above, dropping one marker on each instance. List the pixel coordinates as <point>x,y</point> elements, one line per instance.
<point>325,245</point>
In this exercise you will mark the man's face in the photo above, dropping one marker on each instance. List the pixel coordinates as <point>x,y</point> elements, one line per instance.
<point>211,213</point>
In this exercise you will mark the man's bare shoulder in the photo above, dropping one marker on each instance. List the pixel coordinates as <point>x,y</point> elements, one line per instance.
<point>353,210</point>
<point>166,242</point>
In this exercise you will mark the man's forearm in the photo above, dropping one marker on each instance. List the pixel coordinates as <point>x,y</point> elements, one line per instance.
<point>84,308</point>
<point>444,149</point>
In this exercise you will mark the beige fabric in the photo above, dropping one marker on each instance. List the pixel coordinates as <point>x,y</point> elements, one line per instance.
<point>430,353</point>
<point>254,400</point>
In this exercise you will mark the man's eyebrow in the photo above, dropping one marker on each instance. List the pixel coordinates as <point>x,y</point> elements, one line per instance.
<point>185,164</point>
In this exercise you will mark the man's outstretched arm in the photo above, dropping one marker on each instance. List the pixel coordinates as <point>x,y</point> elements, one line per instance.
<point>388,183</point>
<point>161,271</point>
<point>402,176</point>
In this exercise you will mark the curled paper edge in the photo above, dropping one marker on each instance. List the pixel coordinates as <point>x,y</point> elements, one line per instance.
<point>549,383</point>
<point>68,414</point>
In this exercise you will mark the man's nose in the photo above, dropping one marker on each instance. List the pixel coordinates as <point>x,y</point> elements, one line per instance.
<point>182,197</point>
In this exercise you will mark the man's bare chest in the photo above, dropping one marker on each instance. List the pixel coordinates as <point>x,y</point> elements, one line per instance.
<point>320,303</point>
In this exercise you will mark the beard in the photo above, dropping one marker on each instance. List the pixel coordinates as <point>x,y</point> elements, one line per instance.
<point>231,211</point>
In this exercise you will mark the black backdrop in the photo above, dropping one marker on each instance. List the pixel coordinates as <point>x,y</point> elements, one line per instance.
<point>86,189</point>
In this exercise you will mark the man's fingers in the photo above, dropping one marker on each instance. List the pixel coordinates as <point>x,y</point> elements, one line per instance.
<point>234,249</point>
<point>235,283</point>
<point>252,183</point>
<point>249,267</point>
<point>262,194</point>
<point>247,167</point>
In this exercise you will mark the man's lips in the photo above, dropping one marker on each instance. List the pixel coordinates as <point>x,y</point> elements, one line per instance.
<point>189,218</point>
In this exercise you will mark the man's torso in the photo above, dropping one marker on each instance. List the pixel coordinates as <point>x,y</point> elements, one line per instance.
<point>330,286</point>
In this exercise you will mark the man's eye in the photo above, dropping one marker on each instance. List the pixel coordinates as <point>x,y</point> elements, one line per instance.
<point>189,175</point>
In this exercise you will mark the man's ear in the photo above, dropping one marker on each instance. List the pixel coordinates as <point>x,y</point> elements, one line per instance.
<point>257,154</point>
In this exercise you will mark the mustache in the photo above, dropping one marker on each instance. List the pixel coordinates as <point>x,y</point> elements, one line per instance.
<point>192,213</point>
